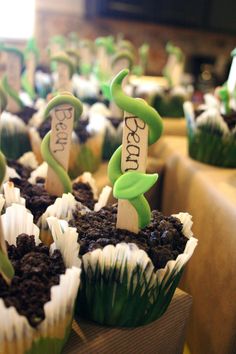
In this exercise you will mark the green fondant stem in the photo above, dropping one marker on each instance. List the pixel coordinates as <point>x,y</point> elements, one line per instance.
<point>11,92</point>
<point>54,164</point>
<point>2,167</point>
<point>139,109</point>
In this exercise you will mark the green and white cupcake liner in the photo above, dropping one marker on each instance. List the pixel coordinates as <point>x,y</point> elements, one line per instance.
<point>209,139</point>
<point>16,334</point>
<point>120,287</point>
<point>14,136</point>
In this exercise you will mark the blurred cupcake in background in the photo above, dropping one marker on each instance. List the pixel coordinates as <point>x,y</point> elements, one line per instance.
<point>40,319</point>
<point>212,130</point>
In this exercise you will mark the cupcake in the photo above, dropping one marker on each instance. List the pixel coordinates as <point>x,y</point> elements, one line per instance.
<point>86,146</point>
<point>38,298</point>
<point>211,135</point>
<point>113,128</point>
<point>128,278</point>
<point>14,136</point>
<point>121,269</point>
<point>169,102</point>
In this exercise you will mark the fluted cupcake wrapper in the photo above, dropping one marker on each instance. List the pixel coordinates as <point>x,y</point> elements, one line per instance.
<point>120,287</point>
<point>62,208</point>
<point>12,194</point>
<point>14,136</point>
<point>209,139</point>
<point>16,334</point>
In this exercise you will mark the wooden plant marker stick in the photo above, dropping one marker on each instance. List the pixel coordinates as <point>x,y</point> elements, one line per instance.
<point>175,69</point>
<point>14,79</point>
<point>60,143</point>
<point>64,82</point>
<point>117,67</point>
<point>134,158</point>
<point>30,68</point>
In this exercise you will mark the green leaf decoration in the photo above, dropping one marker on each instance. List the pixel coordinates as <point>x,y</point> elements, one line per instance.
<point>13,50</point>
<point>133,184</point>
<point>6,268</point>
<point>105,87</point>
<point>65,60</point>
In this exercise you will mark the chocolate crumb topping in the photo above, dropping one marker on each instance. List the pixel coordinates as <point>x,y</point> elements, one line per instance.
<point>36,271</point>
<point>162,240</point>
<point>38,199</point>
<point>23,171</point>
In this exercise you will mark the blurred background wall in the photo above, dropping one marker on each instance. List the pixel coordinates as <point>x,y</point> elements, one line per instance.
<point>205,30</point>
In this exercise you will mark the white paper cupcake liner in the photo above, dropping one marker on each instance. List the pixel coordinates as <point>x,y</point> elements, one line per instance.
<point>87,177</point>
<point>103,198</point>
<point>121,287</point>
<point>12,194</point>
<point>17,220</point>
<point>40,171</point>
<point>66,240</point>
<point>16,334</point>
<point>28,160</point>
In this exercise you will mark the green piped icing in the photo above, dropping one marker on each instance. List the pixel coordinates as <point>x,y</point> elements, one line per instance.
<point>171,49</point>
<point>66,60</point>
<point>60,99</point>
<point>11,92</point>
<point>124,54</point>
<point>31,47</point>
<point>107,42</point>
<point>13,50</point>
<point>3,99</point>
<point>225,98</point>
<point>129,187</point>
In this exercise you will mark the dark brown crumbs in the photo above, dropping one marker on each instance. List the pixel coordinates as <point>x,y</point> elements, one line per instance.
<point>38,199</point>
<point>115,121</point>
<point>82,131</point>
<point>36,271</point>
<point>44,128</point>
<point>84,194</point>
<point>23,171</point>
<point>26,114</point>
<point>230,119</point>
<point>162,240</point>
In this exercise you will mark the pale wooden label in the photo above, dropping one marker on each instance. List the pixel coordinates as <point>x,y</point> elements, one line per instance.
<point>103,59</point>
<point>30,68</point>
<point>60,143</point>
<point>63,80</point>
<point>175,69</point>
<point>134,158</point>
<point>14,79</point>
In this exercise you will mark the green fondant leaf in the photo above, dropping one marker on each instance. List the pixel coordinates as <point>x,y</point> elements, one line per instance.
<point>105,87</point>
<point>132,184</point>
<point>6,268</point>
